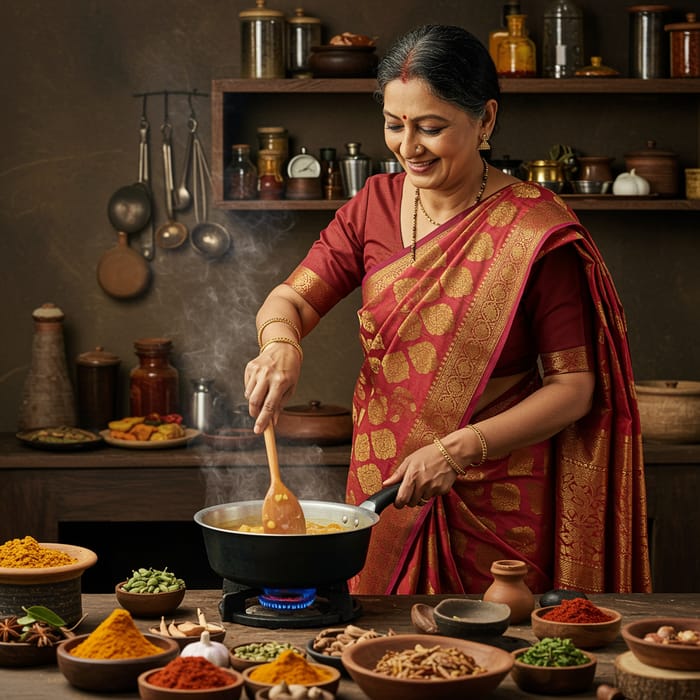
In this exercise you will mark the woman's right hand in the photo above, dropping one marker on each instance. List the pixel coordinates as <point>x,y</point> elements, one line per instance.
<point>270,380</point>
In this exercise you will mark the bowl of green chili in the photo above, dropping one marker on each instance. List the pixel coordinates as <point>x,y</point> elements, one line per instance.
<point>554,666</point>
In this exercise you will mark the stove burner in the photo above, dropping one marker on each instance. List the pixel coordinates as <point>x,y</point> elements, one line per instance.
<point>328,605</point>
<point>287,598</point>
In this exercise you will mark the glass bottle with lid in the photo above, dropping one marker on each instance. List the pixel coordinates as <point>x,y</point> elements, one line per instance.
<point>517,53</point>
<point>512,7</point>
<point>303,32</point>
<point>241,175</point>
<point>562,39</point>
<point>262,42</point>
<point>270,182</point>
<point>154,382</point>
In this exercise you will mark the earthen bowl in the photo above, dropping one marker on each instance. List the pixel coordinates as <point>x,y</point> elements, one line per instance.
<point>148,691</point>
<point>331,684</point>
<point>361,659</point>
<point>111,675</point>
<point>553,680</point>
<point>149,604</point>
<point>337,61</point>
<point>584,635</point>
<point>471,619</point>
<point>241,663</point>
<point>20,654</point>
<point>679,657</point>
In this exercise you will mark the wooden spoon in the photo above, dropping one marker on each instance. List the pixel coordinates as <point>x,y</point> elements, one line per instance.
<point>281,511</point>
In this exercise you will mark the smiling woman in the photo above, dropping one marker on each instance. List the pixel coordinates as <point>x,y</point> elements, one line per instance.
<point>485,308</point>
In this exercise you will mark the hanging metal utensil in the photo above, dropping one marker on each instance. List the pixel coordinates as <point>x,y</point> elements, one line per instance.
<point>208,238</point>
<point>171,234</point>
<point>183,197</point>
<point>147,250</point>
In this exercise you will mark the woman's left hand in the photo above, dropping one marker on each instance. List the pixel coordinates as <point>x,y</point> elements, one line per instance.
<point>423,474</point>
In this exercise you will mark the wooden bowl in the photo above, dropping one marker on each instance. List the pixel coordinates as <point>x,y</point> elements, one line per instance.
<point>465,618</point>
<point>337,61</point>
<point>149,604</point>
<point>241,663</point>
<point>331,685</point>
<point>148,691</point>
<point>679,657</point>
<point>553,680</point>
<point>111,675</point>
<point>584,635</point>
<point>361,659</point>
<point>20,654</point>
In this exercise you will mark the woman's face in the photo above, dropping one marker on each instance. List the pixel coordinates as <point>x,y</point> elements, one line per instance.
<point>435,141</point>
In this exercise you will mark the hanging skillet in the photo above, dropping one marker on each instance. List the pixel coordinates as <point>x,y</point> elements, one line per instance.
<point>122,272</point>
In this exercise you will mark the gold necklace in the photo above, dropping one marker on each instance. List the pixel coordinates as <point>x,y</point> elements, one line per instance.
<point>418,203</point>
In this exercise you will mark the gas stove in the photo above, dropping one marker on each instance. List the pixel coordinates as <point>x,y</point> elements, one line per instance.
<point>289,607</point>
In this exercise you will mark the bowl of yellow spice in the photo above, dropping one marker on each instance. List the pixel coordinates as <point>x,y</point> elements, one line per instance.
<point>292,668</point>
<point>45,573</point>
<point>112,657</point>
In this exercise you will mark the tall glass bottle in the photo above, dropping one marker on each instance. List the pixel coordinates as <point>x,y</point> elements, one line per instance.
<point>241,175</point>
<point>517,53</point>
<point>562,39</point>
<point>512,7</point>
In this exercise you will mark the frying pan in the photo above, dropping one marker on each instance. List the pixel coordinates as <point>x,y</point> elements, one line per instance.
<point>291,561</point>
<point>121,271</point>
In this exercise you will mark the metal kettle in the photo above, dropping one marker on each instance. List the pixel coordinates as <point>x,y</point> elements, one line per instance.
<point>206,405</point>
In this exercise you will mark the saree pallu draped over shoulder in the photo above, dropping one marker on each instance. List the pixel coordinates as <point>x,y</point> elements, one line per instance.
<point>573,507</point>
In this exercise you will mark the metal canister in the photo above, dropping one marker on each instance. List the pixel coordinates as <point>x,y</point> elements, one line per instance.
<point>262,42</point>
<point>648,43</point>
<point>355,168</point>
<point>303,32</point>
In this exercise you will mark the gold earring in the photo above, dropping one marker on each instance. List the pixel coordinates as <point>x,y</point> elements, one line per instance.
<point>484,145</point>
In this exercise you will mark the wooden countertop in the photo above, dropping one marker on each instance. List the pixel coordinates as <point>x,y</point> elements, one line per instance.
<point>380,613</point>
<point>14,454</point>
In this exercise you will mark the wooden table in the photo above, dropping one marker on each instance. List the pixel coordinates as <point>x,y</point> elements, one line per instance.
<point>380,613</point>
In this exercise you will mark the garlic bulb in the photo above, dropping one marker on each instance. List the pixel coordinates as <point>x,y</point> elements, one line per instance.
<point>630,184</point>
<point>216,652</point>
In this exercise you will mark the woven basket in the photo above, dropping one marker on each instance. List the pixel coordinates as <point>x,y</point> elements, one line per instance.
<point>669,410</point>
<point>692,183</point>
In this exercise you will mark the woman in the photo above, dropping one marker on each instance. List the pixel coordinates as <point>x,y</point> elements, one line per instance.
<point>496,386</point>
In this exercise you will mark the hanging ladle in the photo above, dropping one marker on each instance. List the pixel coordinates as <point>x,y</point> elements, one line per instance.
<point>208,238</point>
<point>171,234</point>
<point>183,197</point>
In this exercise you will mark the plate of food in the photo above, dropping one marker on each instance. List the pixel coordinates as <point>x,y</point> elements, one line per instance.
<point>188,435</point>
<point>59,438</point>
<point>151,432</point>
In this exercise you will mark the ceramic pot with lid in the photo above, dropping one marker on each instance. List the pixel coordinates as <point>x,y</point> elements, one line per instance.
<point>657,166</point>
<point>97,379</point>
<point>303,32</point>
<point>315,423</point>
<point>262,42</point>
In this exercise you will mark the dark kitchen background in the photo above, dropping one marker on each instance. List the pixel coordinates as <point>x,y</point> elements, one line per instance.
<point>70,131</point>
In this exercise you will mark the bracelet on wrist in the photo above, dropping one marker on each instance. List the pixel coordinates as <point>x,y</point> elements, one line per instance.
<point>282,339</point>
<point>277,319</point>
<point>482,442</point>
<point>448,457</point>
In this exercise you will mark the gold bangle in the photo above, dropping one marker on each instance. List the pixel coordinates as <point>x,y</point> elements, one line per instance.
<point>484,447</point>
<point>282,339</point>
<point>277,319</point>
<point>448,457</point>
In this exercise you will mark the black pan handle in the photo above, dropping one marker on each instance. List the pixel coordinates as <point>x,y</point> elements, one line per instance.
<point>377,502</point>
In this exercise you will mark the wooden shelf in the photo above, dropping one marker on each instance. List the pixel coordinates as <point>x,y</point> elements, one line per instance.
<point>611,203</point>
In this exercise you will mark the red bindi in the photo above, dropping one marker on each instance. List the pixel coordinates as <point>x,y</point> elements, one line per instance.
<point>404,117</point>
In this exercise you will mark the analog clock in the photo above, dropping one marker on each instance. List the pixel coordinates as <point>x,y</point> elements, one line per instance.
<point>304,165</point>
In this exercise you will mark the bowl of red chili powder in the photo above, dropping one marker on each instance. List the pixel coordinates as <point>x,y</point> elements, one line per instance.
<point>587,625</point>
<point>192,677</point>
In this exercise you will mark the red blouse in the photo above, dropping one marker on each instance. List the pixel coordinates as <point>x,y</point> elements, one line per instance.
<point>553,319</point>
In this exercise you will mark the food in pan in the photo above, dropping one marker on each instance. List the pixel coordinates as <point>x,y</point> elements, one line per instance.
<point>312,528</point>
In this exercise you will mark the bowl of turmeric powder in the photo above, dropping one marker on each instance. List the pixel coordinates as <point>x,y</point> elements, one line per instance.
<point>292,668</point>
<point>112,657</point>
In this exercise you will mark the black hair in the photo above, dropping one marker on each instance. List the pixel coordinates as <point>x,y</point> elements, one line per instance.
<point>454,64</point>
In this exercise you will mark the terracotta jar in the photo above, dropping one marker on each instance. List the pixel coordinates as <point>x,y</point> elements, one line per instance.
<point>509,587</point>
<point>658,167</point>
<point>154,382</point>
<point>595,168</point>
<point>685,47</point>
<point>97,378</point>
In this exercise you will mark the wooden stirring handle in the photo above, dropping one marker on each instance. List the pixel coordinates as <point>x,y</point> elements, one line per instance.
<point>271,447</point>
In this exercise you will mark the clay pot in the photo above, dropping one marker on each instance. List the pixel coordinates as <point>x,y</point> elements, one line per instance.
<point>509,587</point>
<point>331,61</point>
<point>315,423</point>
<point>659,168</point>
<point>669,410</point>
<point>595,168</point>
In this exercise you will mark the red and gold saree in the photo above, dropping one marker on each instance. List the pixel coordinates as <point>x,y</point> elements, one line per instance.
<point>432,330</point>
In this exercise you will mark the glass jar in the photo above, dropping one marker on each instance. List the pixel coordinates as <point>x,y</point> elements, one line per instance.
<point>497,35</point>
<point>154,382</point>
<point>262,42</point>
<point>270,181</point>
<point>517,53</point>
<point>241,175</point>
<point>303,32</point>
<point>274,138</point>
<point>648,44</point>
<point>562,41</point>
<point>685,47</point>
<point>97,378</point>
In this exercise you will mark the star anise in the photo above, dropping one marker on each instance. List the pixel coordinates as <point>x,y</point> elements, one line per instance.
<point>42,635</point>
<point>10,630</point>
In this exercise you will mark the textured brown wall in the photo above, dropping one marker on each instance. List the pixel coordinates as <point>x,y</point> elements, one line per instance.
<point>70,68</point>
